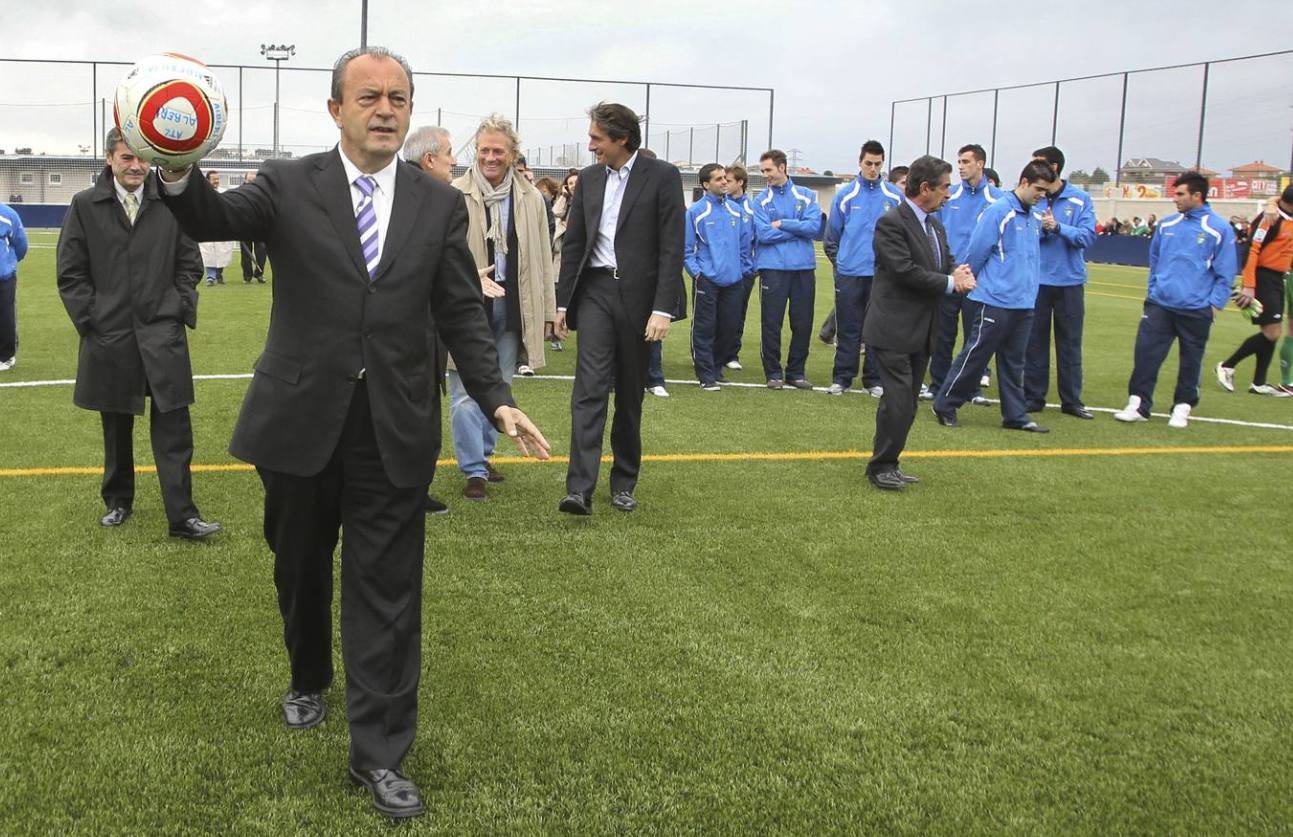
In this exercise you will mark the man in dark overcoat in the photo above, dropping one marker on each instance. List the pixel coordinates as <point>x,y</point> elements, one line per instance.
<point>128,278</point>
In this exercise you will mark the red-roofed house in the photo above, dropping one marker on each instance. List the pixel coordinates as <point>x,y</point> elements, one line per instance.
<point>1259,170</point>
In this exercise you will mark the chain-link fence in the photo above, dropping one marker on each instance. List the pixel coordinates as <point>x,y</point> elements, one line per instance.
<point>1124,134</point>
<point>54,114</point>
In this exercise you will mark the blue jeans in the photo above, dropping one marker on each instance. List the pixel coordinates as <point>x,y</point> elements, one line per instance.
<point>1000,331</point>
<point>474,436</point>
<point>1066,306</point>
<point>215,274</point>
<point>852,294</point>
<point>1159,326</point>
<point>777,289</point>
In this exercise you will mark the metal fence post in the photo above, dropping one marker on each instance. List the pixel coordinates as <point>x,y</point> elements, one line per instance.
<point>942,148</point>
<point>1122,126</point>
<point>929,120</point>
<point>94,94</point>
<point>1055,112</point>
<point>992,154</point>
<point>240,119</point>
<point>718,135</point>
<point>1203,107</point>
<point>647,116</point>
<point>893,106</point>
<point>517,123</point>
<point>691,145</point>
<point>772,95</point>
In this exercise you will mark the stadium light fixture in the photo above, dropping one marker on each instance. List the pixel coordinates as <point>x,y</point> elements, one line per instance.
<point>278,53</point>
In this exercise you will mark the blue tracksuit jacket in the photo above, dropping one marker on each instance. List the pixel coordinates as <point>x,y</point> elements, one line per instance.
<point>717,243</point>
<point>791,246</point>
<point>1005,254</point>
<point>1192,260</point>
<point>852,223</point>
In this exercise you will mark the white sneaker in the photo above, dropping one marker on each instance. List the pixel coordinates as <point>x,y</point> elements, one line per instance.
<point>733,364</point>
<point>1226,377</point>
<point>980,401</point>
<point>985,381</point>
<point>659,392</point>
<point>836,389</point>
<point>1180,416</point>
<point>1132,411</point>
<point>876,392</point>
<point>6,365</point>
<point>524,370</point>
<point>1267,389</point>
<point>926,394</point>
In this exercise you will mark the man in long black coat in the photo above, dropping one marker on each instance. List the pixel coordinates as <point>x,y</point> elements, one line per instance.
<point>127,275</point>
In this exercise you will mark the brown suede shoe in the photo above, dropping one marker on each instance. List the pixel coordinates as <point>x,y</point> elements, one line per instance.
<point>492,475</point>
<point>475,489</point>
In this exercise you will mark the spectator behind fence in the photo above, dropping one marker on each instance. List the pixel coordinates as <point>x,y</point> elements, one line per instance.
<point>216,255</point>
<point>252,253</point>
<point>13,249</point>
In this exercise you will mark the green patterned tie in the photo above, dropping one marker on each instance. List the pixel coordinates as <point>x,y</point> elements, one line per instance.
<point>132,207</point>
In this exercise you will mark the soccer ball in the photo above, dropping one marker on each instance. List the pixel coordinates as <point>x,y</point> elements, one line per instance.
<point>171,110</point>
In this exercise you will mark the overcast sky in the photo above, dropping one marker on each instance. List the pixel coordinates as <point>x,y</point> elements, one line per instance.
<point>835,66</point>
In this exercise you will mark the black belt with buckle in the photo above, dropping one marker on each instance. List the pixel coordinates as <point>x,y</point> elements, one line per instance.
<point>613,272</point>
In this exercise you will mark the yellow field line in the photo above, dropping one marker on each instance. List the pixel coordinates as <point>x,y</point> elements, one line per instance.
<point>791,456</point>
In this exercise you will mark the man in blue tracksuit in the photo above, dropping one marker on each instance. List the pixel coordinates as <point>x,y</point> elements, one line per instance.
<point>1004,256</point>
<point>716,252</point>
<point>1192,262</point>
<point>737,178</point>
<point>1068,228</point>
<point>787,220</point>
<point>964,205</point>
<point>852,229</point>
<point>13,248</point>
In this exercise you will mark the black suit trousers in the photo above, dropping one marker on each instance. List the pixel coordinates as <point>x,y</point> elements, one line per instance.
<point>901,374</point>
<point>611,352</point>
<point>382,527</point>
<point>171,434</point>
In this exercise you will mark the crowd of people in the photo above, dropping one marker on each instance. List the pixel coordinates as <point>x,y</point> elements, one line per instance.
<point>394,280</point>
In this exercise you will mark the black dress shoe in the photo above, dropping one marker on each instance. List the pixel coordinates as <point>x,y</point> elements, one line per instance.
<point>1028,427</point>
<point>394,794</point>
<point>887,481</point>
<point>947,419</point>
<point>1077,412</point>
<point>576,504</point>
<point>115,517</point>
<point>623,501</point>
<point>907,478</point>
<point>800,383</point>
<point>434,506</point>
<point>304,710</point>
<point>194,529</point>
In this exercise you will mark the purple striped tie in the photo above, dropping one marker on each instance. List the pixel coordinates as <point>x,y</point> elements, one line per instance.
<point>366,217</point>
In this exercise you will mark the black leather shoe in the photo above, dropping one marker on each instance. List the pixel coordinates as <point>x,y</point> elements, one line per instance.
<point>1028,427</point>
<point>194,529</point>
<point>576,504</point>
<point>115,517</point>
<point>887,481</point>
<point>623,501</point>
<point>947,419</point>
<point>1077,412</point>
<point>907,479</point>
<point>799,383</point>
<point>304,710</point>
<point>394,794</point>
<point>434,506</point>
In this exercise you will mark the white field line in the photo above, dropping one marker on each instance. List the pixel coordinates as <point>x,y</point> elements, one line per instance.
<point>685,382</point>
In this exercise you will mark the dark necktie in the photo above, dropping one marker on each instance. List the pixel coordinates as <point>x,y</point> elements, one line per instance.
<point>933,244</point>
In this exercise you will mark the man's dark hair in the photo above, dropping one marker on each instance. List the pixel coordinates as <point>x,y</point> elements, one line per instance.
<point>1194,183</point>
<point>618,122</point>
<point>896,173</point>
<point>707,172</point>
<point>975,149</point>
<point>1038,171</point>
<point>993,177</point>
<point>776,155</point>
<point>737,172</point>
<point>1052,155</point>
<point>926,170</point>
<point>871,147</point>
<point>339,69</point>
<point>112,139</point>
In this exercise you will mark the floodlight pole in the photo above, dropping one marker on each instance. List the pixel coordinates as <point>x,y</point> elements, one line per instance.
<point>278,54</point>
<point>363,25</point>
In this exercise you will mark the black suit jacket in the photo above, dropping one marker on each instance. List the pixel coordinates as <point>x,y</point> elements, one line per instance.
<point>902,315</point>
<point>329,320</point>
<point>648,239</point>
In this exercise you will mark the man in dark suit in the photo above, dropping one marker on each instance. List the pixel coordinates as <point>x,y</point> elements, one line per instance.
<point>342,416</point>
<point>620,287</point>
<point>128,278</point>
<point>913,272</point>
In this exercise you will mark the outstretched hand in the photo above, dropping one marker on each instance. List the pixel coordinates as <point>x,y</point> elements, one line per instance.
<point>517,425</point>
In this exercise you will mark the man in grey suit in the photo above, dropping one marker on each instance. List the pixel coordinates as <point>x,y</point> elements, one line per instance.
<point>342,416</point>
<point>913,272</point>
<point>620,287</point>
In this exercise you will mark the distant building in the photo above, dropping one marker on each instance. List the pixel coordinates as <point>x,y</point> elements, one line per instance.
<point>1259,170</point>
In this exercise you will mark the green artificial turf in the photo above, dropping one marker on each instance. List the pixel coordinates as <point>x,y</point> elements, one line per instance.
<point>1020,644</point>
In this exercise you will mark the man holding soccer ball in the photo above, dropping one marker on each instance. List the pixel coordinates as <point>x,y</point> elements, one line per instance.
<point>341,418</point>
